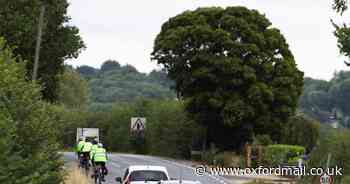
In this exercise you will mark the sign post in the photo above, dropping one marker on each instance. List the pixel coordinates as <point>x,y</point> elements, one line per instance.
<point>137,130</point>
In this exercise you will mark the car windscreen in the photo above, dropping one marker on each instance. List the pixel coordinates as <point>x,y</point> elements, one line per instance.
<point>147,176</point>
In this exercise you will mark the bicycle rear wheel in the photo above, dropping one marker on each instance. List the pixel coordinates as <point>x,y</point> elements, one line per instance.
<point>98,176</point>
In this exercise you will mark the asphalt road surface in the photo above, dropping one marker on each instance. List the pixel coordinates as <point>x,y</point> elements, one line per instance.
<point>119,162</point>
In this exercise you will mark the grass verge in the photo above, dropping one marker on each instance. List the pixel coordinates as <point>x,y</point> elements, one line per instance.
<point>75,176</point>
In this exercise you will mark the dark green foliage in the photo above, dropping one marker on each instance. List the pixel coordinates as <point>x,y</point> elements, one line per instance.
<point>302,131</point>
<point>234,71</point>
<point>279,154</point>
<point>110,65</point>
<point>28,131</point>
<point>116,84</point>
<point>342,32</point>
<point>87,71</point>
<point>340,5</point>
<point>73,92</point>
<point>60,40</point>
<point>339,93</point>
<point>326,100</point>
<point>263,140</point>
<point>169,132</point>
<point>337,144</point>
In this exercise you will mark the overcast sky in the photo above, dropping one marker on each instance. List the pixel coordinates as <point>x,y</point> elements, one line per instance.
<point>125,30</point>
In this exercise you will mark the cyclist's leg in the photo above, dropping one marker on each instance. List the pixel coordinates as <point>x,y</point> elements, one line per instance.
<point>80,158</point>
<point>93,168</point>
<point>86,159</point>
<point>104,167</point>
<point>96,169</point>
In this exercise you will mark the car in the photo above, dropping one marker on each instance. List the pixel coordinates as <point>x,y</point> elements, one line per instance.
<point>148,174</point>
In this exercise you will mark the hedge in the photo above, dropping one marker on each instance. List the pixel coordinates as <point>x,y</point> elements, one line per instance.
<point>279,154</point>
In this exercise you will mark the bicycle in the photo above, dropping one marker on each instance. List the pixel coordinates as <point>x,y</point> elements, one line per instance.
<point>99,174</point>
<point>84,164</point>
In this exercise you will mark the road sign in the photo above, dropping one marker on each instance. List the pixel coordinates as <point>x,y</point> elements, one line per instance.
<point>138,124</point>
<point>326,179</point>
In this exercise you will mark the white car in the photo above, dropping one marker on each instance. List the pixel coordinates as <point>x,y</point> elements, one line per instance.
<point>147,174</point>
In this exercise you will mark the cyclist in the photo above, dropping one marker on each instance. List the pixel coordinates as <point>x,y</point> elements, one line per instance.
<point>93,148</point>
<point>79,146</point>
<point>85,150</point>
<point>99,158</point>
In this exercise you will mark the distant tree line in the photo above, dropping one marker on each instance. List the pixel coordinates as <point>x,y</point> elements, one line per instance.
<point>167,124</point>
<point>113,83</point>
<point>327,101</point>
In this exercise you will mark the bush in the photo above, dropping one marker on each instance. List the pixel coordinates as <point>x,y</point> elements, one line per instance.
<point>169,132</point>
<point>335,142</point>
<point>227,159</point>
<point>219,160</point>
<point>277,154</point>
<point>208,157</point>
<point>263,140</point>
<point>28,144</point>
<point>301,130</point>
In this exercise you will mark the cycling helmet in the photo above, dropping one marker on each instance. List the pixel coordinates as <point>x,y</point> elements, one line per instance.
<point>94,142</point>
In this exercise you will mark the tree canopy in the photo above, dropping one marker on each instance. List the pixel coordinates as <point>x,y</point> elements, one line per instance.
<point>115,83</point>
<point>27,127</point>
<point>326,101</point>
<point>340,5</point>
<point>234,70</point>
<point>342,32</point>
<point>73,91</point>
<point>60,41</point>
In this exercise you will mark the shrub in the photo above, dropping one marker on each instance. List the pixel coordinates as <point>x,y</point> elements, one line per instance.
<point>208,157</point>
<point>262,139</point>
<point>281,154</point>
<point>335,142</point>
<point>29,151</point>
<point>219,159</point>
<point>227,159</point>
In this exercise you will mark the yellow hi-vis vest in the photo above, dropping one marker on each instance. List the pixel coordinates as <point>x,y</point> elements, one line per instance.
<point>87,147</point>
<point>99,155</point>
<point>80,146</point>
<point>93,149</point>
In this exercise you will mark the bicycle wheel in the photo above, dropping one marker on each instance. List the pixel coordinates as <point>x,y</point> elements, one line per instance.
<point>98,176</point>
<point>86,168</point>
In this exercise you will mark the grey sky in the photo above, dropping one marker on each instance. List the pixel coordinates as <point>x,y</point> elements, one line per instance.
<point>125,30</point>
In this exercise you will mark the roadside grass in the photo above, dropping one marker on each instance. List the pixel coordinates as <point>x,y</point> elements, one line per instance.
<point>75,176</point>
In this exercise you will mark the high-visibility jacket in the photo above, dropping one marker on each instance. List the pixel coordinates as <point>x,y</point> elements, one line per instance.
<point>99,155</point>
<point>80,146</point>
<point>93,149</point>
<point>87,147</point>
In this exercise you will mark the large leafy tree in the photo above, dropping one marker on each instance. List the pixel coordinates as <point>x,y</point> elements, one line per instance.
<point>340,5</point>
<point>342,32</point>
<point>29,153</point>
<point>301,130</point>
<point>73,92</point>
<point>60,41</point>
<point>234,70</point>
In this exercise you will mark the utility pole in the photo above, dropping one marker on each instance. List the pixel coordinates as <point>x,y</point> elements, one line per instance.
<point>38,42</point>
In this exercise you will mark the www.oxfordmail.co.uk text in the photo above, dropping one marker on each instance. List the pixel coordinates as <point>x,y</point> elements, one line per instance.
<point>279,171</point>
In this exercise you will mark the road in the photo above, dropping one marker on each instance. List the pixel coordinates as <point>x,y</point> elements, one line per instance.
<point>118,162</point>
